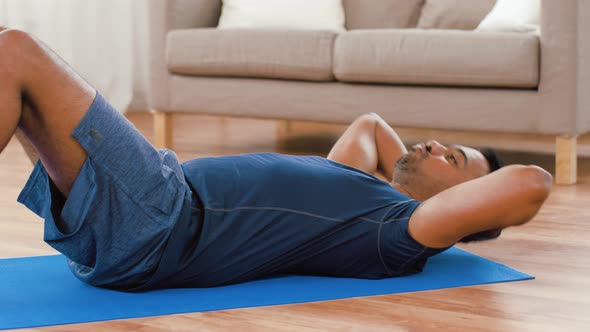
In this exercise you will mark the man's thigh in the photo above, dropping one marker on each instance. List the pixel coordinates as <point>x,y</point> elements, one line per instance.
<point>55,99</point>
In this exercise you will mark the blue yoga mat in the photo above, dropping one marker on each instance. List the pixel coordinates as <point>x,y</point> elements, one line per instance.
<point>41,291</point>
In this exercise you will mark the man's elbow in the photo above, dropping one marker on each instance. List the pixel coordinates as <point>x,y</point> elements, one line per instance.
<point>536,185</point>
<point>368,118</point>
<point>539,182</point>
<point>531,179</point>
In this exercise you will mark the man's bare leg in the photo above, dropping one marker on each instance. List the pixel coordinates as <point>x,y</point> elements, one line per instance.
<point>43,96</point>
<point>30,150</point>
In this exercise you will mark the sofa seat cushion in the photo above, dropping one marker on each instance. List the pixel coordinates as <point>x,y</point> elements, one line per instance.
<point>276,54</point>
<point>438,57</point>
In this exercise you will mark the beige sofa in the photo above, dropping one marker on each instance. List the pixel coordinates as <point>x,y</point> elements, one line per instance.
<point>498,83</point>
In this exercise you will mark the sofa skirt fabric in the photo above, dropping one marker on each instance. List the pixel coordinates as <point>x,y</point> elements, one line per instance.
<point>495,110</point>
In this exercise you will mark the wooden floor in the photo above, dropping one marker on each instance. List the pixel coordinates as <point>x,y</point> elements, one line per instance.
<point>554,247</point>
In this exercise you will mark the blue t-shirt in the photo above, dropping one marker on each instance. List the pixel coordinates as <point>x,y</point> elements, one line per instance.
<point>266,213</point>
<point>310,184</point>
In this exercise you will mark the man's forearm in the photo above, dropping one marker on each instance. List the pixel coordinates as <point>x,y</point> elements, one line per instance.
<point>389,147</point>
<point>357,147</point>
<point>369,144</point>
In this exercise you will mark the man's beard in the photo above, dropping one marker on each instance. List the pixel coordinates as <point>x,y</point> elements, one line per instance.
<point>408,164</point>
<point>408,173</point>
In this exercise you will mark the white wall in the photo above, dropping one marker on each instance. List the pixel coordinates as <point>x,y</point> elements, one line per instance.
<point>104,40</point>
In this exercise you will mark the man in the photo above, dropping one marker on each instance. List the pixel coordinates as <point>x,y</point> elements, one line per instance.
<point>130,217</point>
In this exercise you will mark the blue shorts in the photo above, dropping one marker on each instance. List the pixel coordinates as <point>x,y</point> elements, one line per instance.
<point>133,221</point>
<point>117,219</point>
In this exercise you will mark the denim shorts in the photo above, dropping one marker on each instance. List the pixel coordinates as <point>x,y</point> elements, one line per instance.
<point>117,219</point>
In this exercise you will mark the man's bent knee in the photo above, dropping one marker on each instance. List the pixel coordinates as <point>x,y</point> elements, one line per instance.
<point>16,42</point>
<point>18,50</point>
<point>13,35</point>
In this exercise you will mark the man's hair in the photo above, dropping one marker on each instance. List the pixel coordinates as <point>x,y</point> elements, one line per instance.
<point>492,158</point>
<point>495,164</point>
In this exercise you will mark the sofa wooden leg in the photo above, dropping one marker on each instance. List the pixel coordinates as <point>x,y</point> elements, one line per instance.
<point>162,130</point>
<point>566,160</point>
<point>284,128</point>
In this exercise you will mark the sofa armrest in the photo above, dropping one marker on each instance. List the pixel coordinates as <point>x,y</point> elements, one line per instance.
<point>166,15</point>
<point>583,121</point>
<point>565,65</point>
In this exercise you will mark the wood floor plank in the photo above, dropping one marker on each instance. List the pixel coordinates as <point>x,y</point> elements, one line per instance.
<point>554,247</point>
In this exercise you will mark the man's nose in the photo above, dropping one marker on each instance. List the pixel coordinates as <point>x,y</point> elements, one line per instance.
<point>436,148</point>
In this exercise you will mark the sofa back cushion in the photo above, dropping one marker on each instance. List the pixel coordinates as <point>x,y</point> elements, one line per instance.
<point>193,13</point>
<point>361,14</point>
<point>282,14</point>
<point>382,14</point>
<point>454,14</point>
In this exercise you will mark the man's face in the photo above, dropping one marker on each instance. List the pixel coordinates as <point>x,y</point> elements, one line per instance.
<point>432,167</point>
